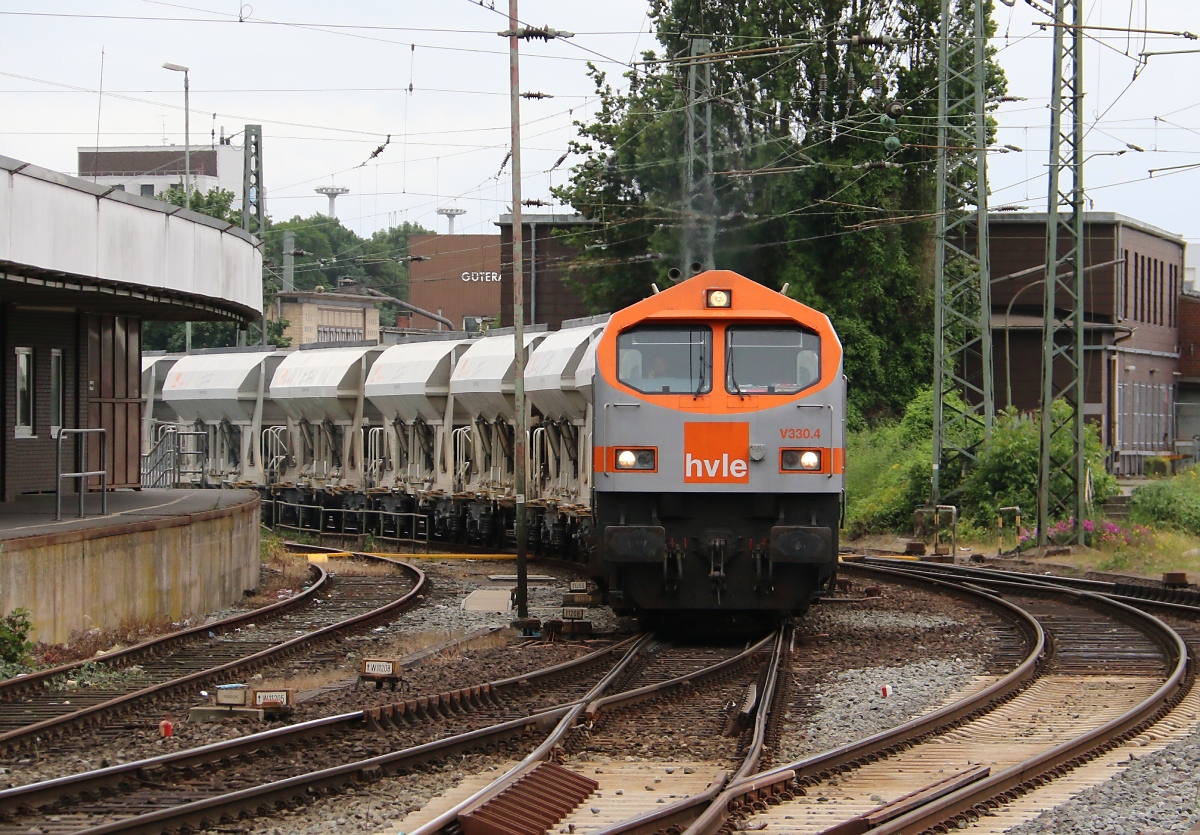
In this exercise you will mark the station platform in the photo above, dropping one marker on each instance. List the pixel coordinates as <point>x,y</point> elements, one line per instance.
<point>158,555</point>
<point>33,515</point>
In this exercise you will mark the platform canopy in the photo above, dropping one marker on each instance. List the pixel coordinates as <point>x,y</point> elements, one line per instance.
<point>101,250</point>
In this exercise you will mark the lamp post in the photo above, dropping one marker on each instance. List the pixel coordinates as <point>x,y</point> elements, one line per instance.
<point>187,171</point>
<point>187,136</point>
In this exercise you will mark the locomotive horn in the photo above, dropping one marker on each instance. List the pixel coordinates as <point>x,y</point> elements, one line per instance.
<point>697,268</point>
<point>674,274</point>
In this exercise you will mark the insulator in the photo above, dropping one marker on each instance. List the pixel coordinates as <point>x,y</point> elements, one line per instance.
<point>877,83</point>
<point>851,83</point>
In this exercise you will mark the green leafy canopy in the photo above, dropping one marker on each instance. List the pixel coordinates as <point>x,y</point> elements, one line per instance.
<point>851,237</point>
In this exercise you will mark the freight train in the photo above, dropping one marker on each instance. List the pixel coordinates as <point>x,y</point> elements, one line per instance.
<point>689,448</point>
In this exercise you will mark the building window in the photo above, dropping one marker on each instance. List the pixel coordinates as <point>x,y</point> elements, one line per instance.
<point>56,391</point>
<point>24,427</point>
<point>147,189</point>
<point>119,187</point>
<point>1125,294</point>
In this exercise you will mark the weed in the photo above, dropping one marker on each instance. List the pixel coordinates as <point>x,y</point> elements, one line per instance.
<point>15,645</point>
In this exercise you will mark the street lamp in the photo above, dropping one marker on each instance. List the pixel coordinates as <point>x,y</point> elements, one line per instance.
<point>187,136</point>
<point>187,171</point>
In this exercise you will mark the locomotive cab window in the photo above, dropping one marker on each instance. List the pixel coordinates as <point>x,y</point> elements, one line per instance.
<point>771,360</point>
<point>666,359</point>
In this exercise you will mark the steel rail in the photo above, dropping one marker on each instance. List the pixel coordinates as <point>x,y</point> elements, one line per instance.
<point>715,795</point>
<point>1132,591</point>
<point>586,708</point>
<point>36,680</point>
<point>22,736</point>
<point>706,813</point>
<point>263,799</point>
<point>37,795</point>
<point>973,800</point>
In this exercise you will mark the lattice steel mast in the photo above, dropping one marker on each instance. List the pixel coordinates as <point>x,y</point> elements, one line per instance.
<point>964,388</point>
<point>1062,348</point>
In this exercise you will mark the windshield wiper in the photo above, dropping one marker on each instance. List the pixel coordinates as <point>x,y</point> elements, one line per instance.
<point>732,374</point>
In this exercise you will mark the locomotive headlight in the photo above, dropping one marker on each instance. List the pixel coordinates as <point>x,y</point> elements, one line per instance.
<point>796,460</point>
<point>636,459</point>
<point>718,298</point>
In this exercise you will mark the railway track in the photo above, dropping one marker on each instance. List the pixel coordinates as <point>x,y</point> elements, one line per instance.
<point>41,706</point>
<point>1104,672</point>
<point>149,796</point>
<point>108,795</point>
<point>1085,660</point>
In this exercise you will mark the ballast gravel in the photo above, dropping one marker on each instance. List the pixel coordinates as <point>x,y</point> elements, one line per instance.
<point>921,645</point>
<point>1158,793</point>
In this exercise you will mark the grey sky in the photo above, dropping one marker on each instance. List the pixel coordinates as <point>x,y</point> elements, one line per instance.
<point>327,97</point>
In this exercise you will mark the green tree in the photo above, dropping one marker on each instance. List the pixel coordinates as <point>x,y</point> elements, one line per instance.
<point>805,194</point>
<point>333,253</point>
<point>216,202</point>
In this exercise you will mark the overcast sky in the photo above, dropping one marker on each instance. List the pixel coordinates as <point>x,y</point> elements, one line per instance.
<point>327,94</point>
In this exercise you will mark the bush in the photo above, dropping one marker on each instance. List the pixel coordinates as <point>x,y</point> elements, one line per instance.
<point>1007,472</point>
<point>1170,503</point>
<point>889,469</point>
<point>15,645</point>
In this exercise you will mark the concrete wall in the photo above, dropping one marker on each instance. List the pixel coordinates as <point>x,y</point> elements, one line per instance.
<point>162,570</point>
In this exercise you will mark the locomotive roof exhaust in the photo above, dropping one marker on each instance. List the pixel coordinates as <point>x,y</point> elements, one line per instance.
<point>675,273</point>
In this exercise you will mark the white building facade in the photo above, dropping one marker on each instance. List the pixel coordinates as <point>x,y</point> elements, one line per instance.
<point>149,170</point>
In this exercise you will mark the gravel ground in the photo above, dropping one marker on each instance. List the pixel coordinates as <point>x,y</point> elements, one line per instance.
<point>441,615</point>
<point>1158,793</point>
<point>922,644</point>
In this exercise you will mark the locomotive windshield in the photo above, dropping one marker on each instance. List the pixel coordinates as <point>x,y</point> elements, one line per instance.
<point>771,360</point>
<point>661,359</point>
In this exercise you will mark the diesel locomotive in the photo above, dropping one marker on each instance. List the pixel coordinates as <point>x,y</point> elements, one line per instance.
<point>689,448</point>
<point>719,440</point>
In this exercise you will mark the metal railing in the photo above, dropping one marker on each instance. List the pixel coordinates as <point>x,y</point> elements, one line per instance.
<point>83,476</point>
<point>164,466</point>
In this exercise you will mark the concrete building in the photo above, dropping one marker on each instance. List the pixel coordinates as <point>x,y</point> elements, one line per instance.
<point>149,170</point>
<point>320,316</point>
<point>461,279</point>
<point>81,266</point>
<point>549,297</point>
<point>1132,291</point>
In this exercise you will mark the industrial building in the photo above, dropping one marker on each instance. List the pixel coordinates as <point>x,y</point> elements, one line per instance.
<point>457,277</point>
<point>1132,292</point>
<point>550,298</point>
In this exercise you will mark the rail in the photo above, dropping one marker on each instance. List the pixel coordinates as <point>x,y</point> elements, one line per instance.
<point>82,476</point>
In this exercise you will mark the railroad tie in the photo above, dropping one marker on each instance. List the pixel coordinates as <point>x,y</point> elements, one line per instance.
<point>538,800</point>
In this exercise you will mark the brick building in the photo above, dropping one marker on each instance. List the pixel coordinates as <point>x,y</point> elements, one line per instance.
<point>549,296</point>
<point>1132,291</point>
<point>461,279</point>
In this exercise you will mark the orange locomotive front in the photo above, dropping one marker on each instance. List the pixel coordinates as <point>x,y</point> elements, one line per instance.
<point>719,435</point>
